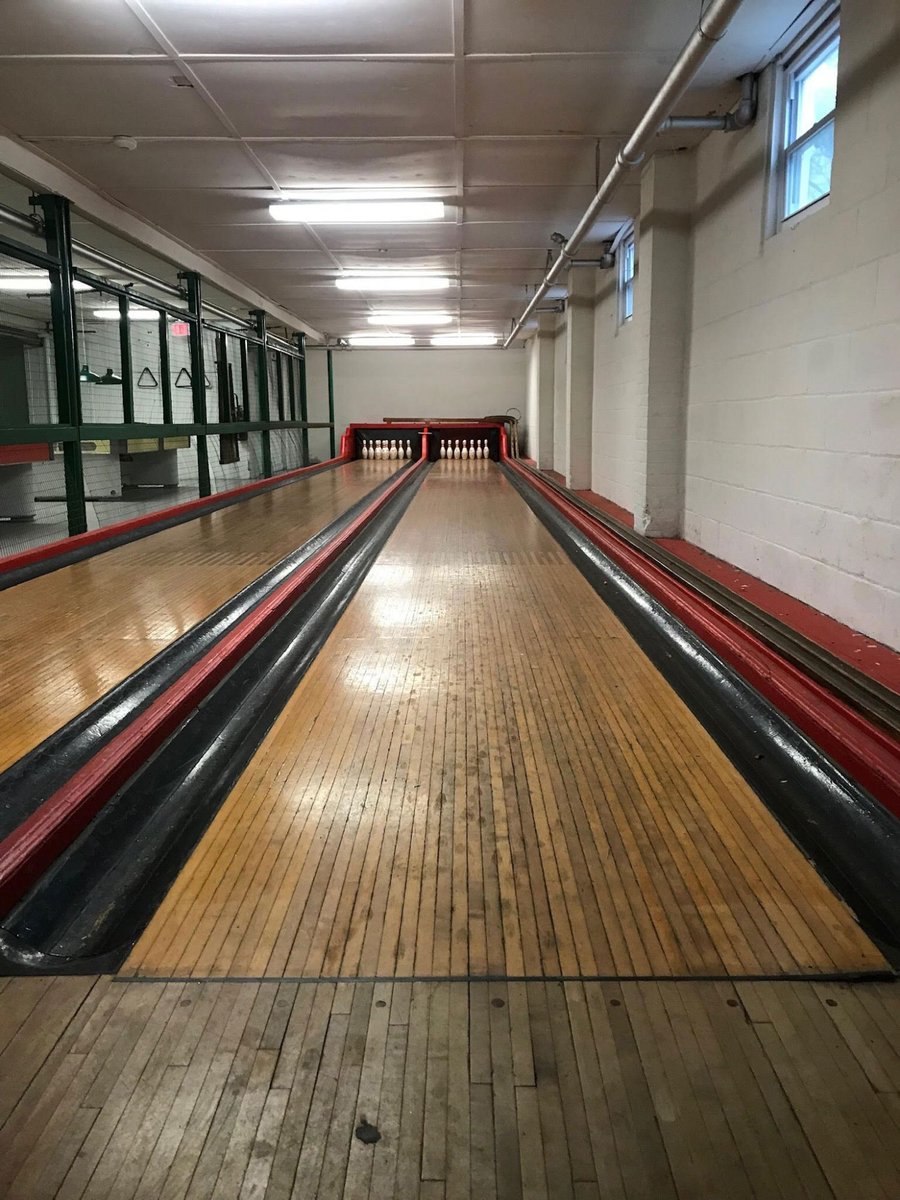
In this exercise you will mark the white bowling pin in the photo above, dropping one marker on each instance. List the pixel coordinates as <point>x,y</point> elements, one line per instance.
<point>457,453</point>
<point>478,449</point>
<point>363,450</point>
<point>408,448</point>
<point>464,453</point>
<point>443,449</point>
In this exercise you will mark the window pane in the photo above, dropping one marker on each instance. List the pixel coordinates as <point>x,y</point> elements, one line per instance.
<point>815,91</point>
<point>809,171</point>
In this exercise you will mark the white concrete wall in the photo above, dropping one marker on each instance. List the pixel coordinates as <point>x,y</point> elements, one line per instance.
<point>793,438</point>
<point>560,432</point>
<point>620,389</point>
<point>372,384</point>
<point>532,397</point>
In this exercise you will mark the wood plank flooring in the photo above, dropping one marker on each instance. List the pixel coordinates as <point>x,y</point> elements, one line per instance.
<point>492,1091</point>
<point>68,637</point>
<point>482,774</point>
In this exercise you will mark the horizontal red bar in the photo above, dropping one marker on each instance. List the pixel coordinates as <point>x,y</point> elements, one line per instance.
<point>11,456</point>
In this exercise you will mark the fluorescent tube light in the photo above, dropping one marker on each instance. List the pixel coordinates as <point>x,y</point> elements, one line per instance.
<point>410,317</point>
<point>386,282</point>
<point>34,283</point>
<point>134,314</point>
<point>357,212</point>
<point>464,339</point>
<point>362,340</point>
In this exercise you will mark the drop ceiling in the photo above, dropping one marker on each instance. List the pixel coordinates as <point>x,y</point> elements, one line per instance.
<point>506,109</point>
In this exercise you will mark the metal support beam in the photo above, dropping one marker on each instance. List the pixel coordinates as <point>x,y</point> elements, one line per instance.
<point>304,399</point>
<point>262,373</point>
<point>165,369</point>
<point>58,235</point>
<point>330,362</point>
<point>198,376</point>
<point>125,362</point>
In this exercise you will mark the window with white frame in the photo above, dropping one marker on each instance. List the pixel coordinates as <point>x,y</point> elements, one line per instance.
<point>810,101</point>
<point>626,278</point>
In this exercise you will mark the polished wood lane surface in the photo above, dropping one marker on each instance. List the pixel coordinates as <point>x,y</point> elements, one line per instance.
<point>67,637</point>
<point>482,774</point>
<point>494,1091</point>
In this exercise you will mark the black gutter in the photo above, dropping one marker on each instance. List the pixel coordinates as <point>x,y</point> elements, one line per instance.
<point>38,774</point>
<point>87,911</point>
<point>65,558</point>
<point>878,703</point>
<point>852,839</point>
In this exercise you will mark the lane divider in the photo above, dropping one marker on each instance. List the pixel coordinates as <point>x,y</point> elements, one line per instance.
<point>29,564</point>
<point>32,847</point>
<point>867,753</point>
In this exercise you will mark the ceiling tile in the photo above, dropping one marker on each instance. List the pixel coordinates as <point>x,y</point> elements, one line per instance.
<point>52,27</point>
<point>535,161</point>
<point>317,27</point>
<point>310,164</point>
<point>165,164</point>
<point>333,98</point>
<point>99,100</point>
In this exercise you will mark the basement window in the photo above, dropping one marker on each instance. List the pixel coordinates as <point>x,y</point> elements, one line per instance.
<point>626,278</point>
<point>810,101</point>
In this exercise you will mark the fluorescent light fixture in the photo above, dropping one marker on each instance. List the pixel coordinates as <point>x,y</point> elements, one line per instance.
<point>351,193</point>
<point>408,317</point>
<point>385,282</point>
<point>464,339</point>
<point>357,212</point>
<point>33,283</point>
<point>134,314</point>
<point>363,340</point>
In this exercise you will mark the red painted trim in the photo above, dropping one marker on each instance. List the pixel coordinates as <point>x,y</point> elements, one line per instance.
<point>12,562</point>
<point>15,456</point>
<point>31,848</point>
<point>868,754</point>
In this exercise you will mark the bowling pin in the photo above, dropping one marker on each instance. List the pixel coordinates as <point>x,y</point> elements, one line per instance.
<point>408,448</point>
<point>478,449</point>
<point>457,453</point>
<point>464,453</point>
<point>443,449</point>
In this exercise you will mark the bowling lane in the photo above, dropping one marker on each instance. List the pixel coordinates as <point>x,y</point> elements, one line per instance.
<point>483,774</point>
<point>67,637</point>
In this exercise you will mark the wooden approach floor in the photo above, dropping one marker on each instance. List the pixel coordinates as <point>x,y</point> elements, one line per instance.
<point>481,773</point>
<point>66,638</point>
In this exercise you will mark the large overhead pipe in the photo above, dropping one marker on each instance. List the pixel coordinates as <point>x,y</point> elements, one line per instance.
<point>9,216</point>
<point>710,29</point>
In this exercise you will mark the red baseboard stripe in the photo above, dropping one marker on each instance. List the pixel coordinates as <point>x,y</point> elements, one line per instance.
<point>31,848</point>
<point>868,754</point>
<point>27,558</point>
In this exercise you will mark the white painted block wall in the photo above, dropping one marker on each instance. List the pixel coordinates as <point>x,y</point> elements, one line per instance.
<point>372,384</point>
<point>793,437</point>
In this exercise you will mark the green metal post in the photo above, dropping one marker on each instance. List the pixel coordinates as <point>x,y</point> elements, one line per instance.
<point>58,235</point>
<point>125,356</point>
<point>279,384</point>
<point>262,371</point>
<point>198,377</point>
<point>292,387</point>
<point>304,405</point>
<point>165,370</point>
<point>330,359</point>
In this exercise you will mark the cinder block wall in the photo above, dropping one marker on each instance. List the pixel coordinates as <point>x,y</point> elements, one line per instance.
<point>793,420</point>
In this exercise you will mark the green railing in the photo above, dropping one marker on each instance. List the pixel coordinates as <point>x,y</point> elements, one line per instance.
<point>247,360</point>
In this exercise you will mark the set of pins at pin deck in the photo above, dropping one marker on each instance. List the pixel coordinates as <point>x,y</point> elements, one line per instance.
<point>462,448</point>
<point>386,449</point>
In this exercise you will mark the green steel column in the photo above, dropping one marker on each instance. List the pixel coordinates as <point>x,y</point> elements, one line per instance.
<point>125,358</point>
<point>198,376</point>
<point>165,371</point>
<point>262,371</point>
<point>300,338</point>
<point>330,359</point>
<point>58,235</point>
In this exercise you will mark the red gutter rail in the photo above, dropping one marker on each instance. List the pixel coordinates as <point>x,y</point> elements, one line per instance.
<point>32,848</point>
<point>867,753</point>
<point>13,562</point>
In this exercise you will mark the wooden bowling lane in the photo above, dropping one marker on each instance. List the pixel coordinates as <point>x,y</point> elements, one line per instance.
<point>483,774</point>
<point>67,637</point>
<point>494,1091</point>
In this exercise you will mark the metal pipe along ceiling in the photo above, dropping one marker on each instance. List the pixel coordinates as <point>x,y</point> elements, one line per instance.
<point>710,29</point>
